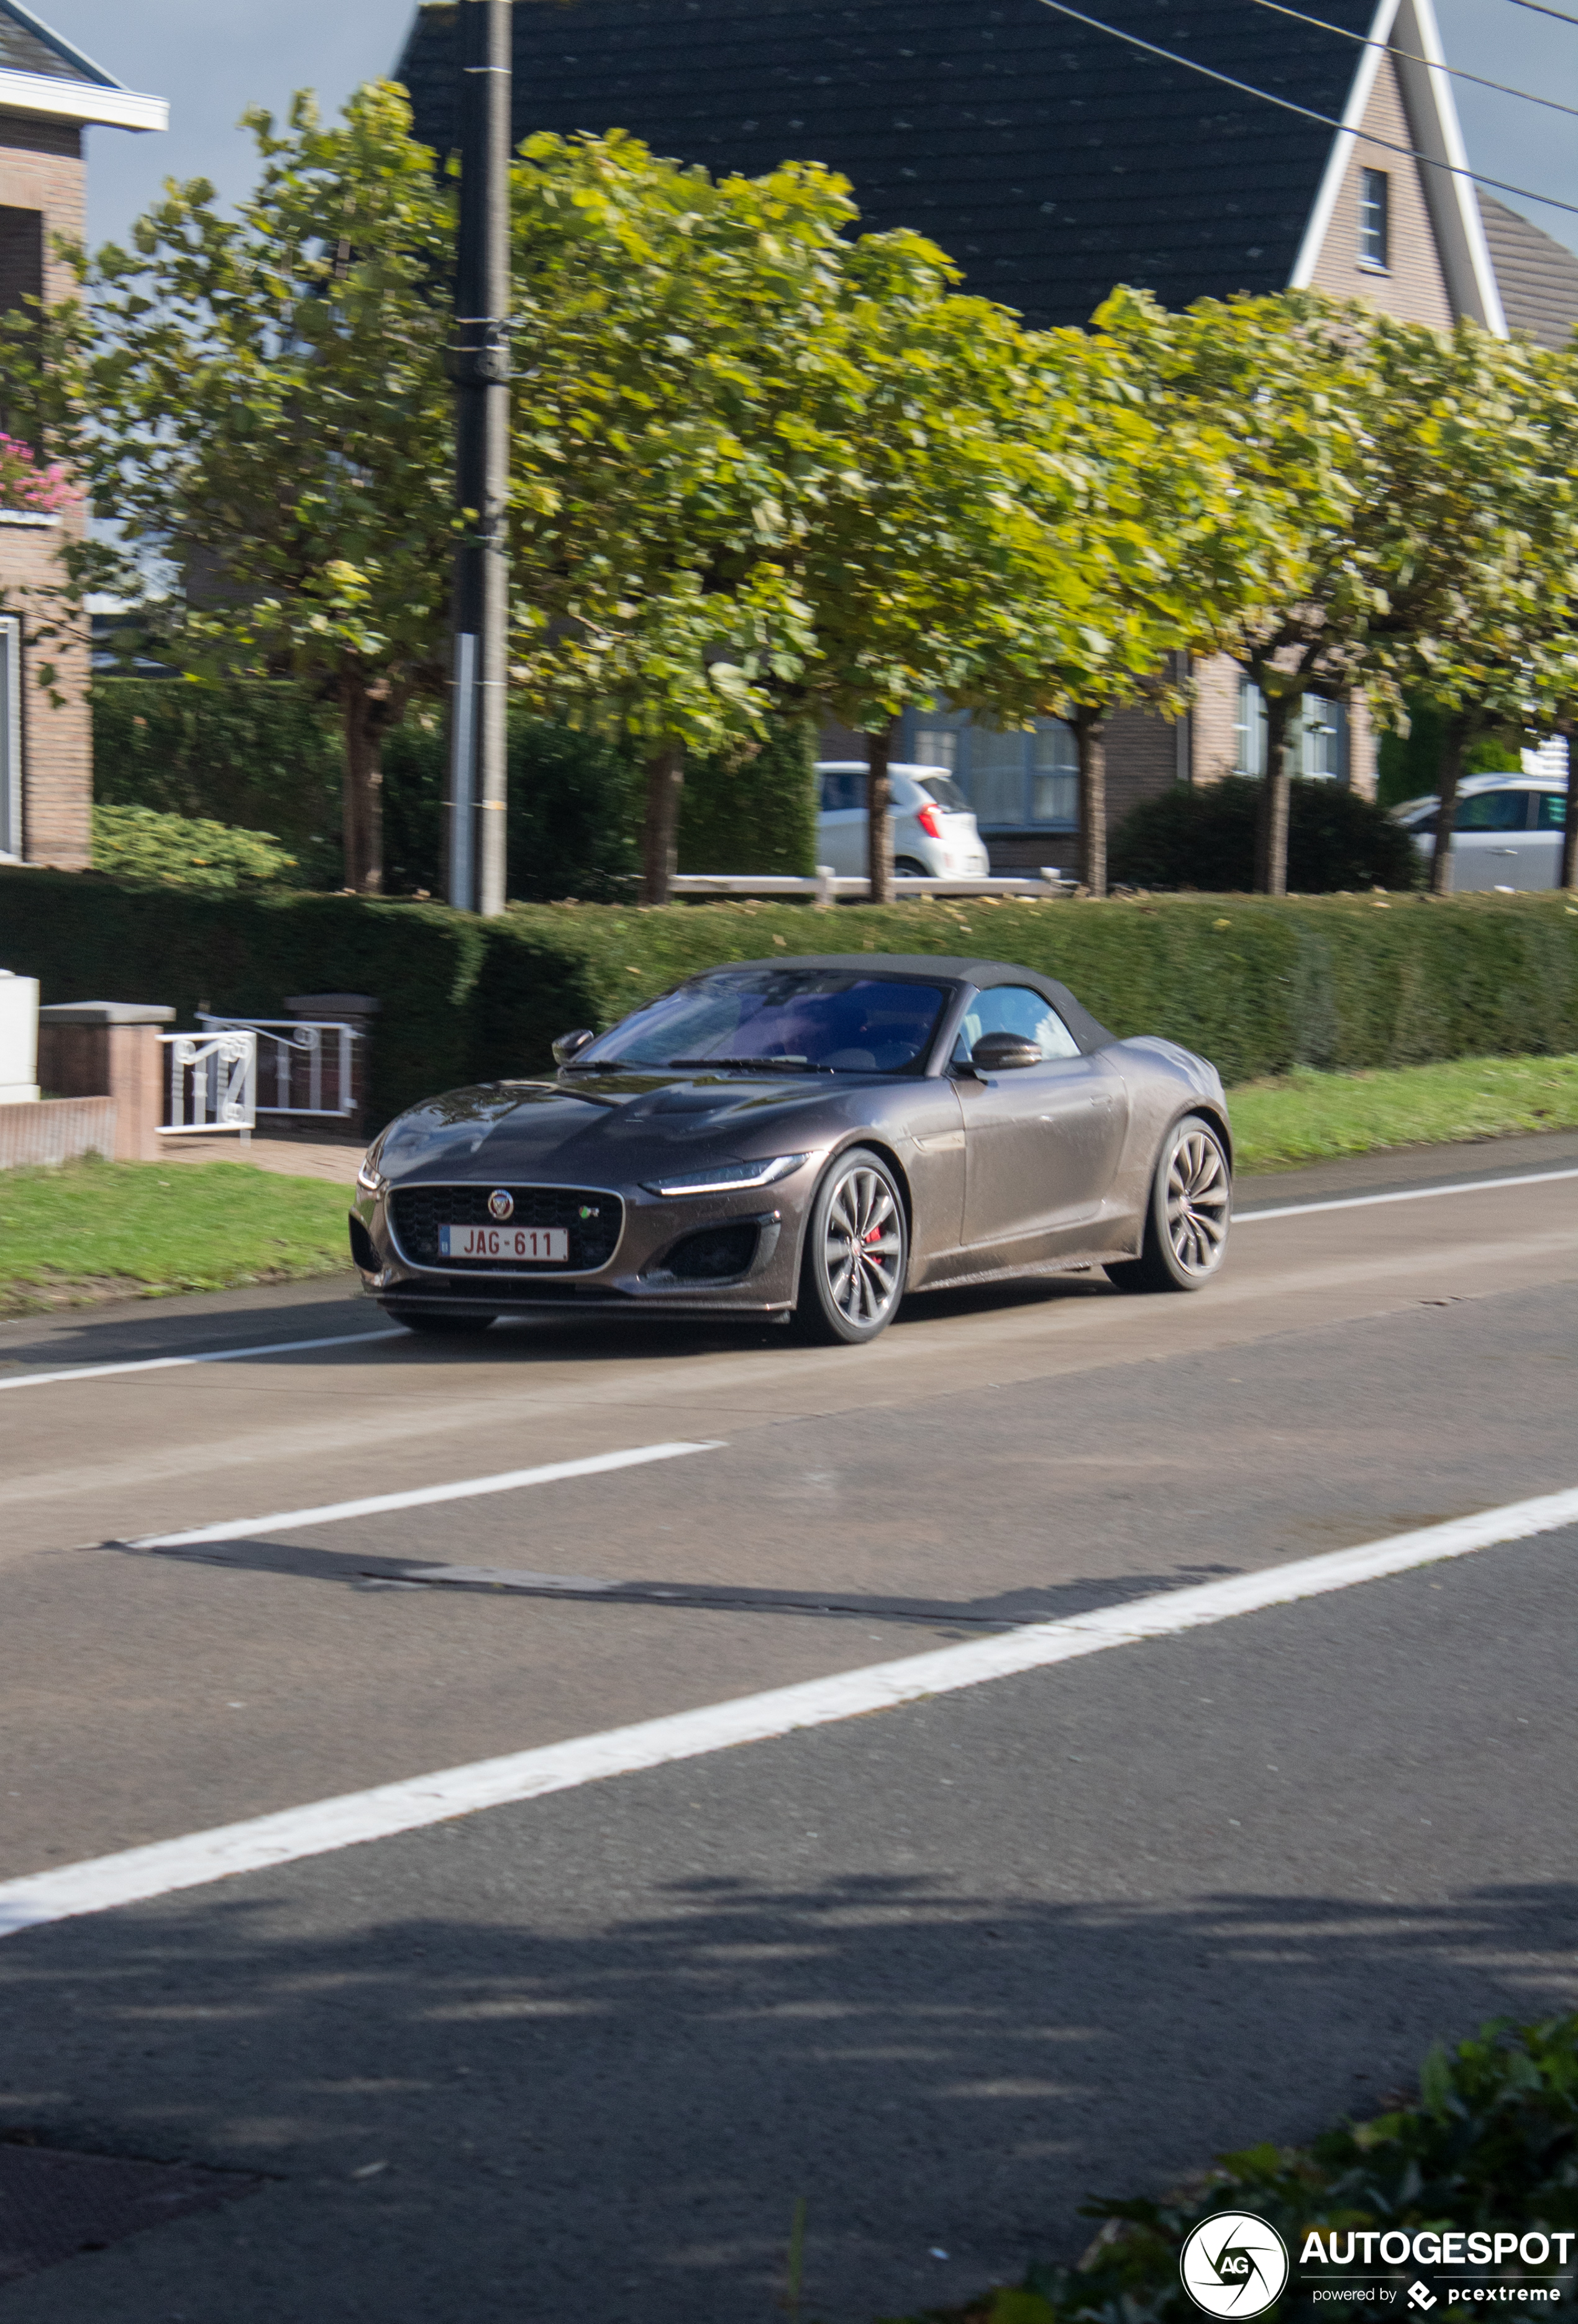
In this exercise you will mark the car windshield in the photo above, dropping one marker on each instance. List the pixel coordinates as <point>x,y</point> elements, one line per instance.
<point>795,1020</point>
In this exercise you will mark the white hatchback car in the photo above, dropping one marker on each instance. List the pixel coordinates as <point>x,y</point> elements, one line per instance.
<point>934,834</point>
<point>1508,833</point>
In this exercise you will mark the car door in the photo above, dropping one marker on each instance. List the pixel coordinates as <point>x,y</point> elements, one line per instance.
<point>1489,837</point>
<point>1041,1142</point>
<point>841,825</point>
<point>1544,842</point>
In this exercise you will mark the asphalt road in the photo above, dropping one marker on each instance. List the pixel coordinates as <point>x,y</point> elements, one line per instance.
<point>943,1972</point>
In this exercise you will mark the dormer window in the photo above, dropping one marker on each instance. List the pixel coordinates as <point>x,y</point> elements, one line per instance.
<point>1374,220</point>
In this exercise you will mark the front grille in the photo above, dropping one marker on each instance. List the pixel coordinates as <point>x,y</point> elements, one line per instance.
<point>593,1216</point>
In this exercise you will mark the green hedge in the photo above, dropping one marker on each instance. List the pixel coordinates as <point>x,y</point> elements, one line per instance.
<point>258,753</point>
<point>1258,986</point>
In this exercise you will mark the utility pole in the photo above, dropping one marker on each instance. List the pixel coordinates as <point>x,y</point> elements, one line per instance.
<point>481,463</point>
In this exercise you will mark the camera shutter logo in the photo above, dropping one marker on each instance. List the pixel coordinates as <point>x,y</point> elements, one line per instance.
<point>1234,2264</point>
<point>501,1203</point>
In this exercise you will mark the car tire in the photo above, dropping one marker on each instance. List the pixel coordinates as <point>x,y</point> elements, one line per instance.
<point>418,1319</point>
<point>856,1253</point>
<point>906,867</point>
<point>1186,1216</point>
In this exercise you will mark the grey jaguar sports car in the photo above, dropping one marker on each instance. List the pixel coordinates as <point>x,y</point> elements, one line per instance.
<point>808,1138</point>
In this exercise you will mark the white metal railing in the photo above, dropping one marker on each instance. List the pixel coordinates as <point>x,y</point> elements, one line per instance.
<point>830,887</point>
<point>301,1061</point>
<point>212,1082</point>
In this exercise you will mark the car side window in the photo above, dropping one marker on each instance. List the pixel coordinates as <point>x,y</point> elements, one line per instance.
<point>1015,1008</point>
<point>1493,811</point>
<point>1553,812</point>
<point>842,792</point>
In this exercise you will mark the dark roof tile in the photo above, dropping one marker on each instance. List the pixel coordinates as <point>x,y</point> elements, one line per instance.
<point>1054,159</point>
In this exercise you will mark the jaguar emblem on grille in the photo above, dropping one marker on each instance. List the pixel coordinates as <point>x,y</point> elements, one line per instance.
<point>501,1203</point>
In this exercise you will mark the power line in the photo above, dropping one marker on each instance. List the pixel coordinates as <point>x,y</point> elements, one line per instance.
<point>1540,9</point>
<point>1327,120</point>
<point>1457,72</point>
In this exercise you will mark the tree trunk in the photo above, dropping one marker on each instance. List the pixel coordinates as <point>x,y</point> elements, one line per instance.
<point>1276,794</point>
<point>1089,734</point>
<point>362,723</point>
<point>1570,828</point>
<point>1461,726</point>
<point>660,829</point>
<point>878,836</point>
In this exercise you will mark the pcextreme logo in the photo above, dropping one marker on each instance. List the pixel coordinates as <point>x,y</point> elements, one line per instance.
<point>1234,2264</point>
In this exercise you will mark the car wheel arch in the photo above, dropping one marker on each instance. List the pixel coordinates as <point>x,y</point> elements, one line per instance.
<point>869,1142</point>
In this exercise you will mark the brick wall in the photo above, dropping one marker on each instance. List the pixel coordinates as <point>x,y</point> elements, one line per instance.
<point>42,191</point>
<point>1413,286</point>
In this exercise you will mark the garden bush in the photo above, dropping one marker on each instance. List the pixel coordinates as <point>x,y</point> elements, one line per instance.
<point>187,852</point>
<point>576,808</point>
<point>260,754</point>
<point>1204,838</point>
<point>1258,986</point>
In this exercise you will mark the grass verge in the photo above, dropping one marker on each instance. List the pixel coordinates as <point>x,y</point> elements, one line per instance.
<point>121,1230</point>
<point>1487,2147</point>
<point>1309,1117</point>
<point>127,1230</point>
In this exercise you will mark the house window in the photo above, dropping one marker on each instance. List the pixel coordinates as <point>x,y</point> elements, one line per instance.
<point>1374,219</point>
<point>10,737</point>
<point>1320,736</point>
<point>1013,780</point>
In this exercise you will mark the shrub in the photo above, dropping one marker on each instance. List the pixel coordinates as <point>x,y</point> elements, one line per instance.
<point>1256,985</point>
<point>185,852</point>
<point>752,808</point>
<point>260,754</point>
<point>1204,838</point>
<point>571,820</point>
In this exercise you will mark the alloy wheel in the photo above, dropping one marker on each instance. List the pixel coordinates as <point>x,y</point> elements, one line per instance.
<point>863,1248</point>
<point>1197,1199</point>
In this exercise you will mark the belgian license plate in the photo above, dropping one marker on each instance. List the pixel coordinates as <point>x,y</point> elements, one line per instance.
<point>504,1242</point>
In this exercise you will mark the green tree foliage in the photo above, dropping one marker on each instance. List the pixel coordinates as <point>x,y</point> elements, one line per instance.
<point>1283,378</point>
<point>1204,837</point>
<point>1467,536</point>
<point>666,326</point>
<point>261,399</point>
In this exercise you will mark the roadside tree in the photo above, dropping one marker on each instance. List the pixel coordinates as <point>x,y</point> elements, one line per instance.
<point>1468,538</point>
<point>261,403</point>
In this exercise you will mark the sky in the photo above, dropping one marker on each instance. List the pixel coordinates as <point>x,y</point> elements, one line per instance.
<point>211,57</point>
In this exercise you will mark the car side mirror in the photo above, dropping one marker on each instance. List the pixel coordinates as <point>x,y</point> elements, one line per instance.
<point>570,1045</point>
<point>997,1053</point>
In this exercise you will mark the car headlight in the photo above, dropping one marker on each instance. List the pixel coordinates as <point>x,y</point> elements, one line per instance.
<point>370,1179</point>
<point>729,1177</point>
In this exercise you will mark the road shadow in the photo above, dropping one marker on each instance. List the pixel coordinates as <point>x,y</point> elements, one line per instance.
<point>589,2112</point>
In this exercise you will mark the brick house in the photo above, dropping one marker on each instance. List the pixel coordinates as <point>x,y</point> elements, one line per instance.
<point>49,94</point>
<point>1053,161</point>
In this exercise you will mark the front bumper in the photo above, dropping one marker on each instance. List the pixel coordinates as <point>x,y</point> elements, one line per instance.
<point>638,1276</point>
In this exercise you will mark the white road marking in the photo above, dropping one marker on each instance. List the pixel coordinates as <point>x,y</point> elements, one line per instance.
<point>360,1339</point>
<point>262,1841</point>
<point>377,1505</point>
<point>215,1356</point>
<point>1408,1195</point>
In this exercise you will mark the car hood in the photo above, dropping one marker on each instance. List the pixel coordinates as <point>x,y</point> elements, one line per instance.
<point>601,1126</point>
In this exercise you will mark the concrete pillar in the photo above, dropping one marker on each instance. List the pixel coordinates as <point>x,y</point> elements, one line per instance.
<point>19,1038</point>
<point>110,1048</point>
<point>356,1009</point>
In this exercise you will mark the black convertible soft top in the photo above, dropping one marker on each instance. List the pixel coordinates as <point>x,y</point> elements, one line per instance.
<point>934,967</point>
